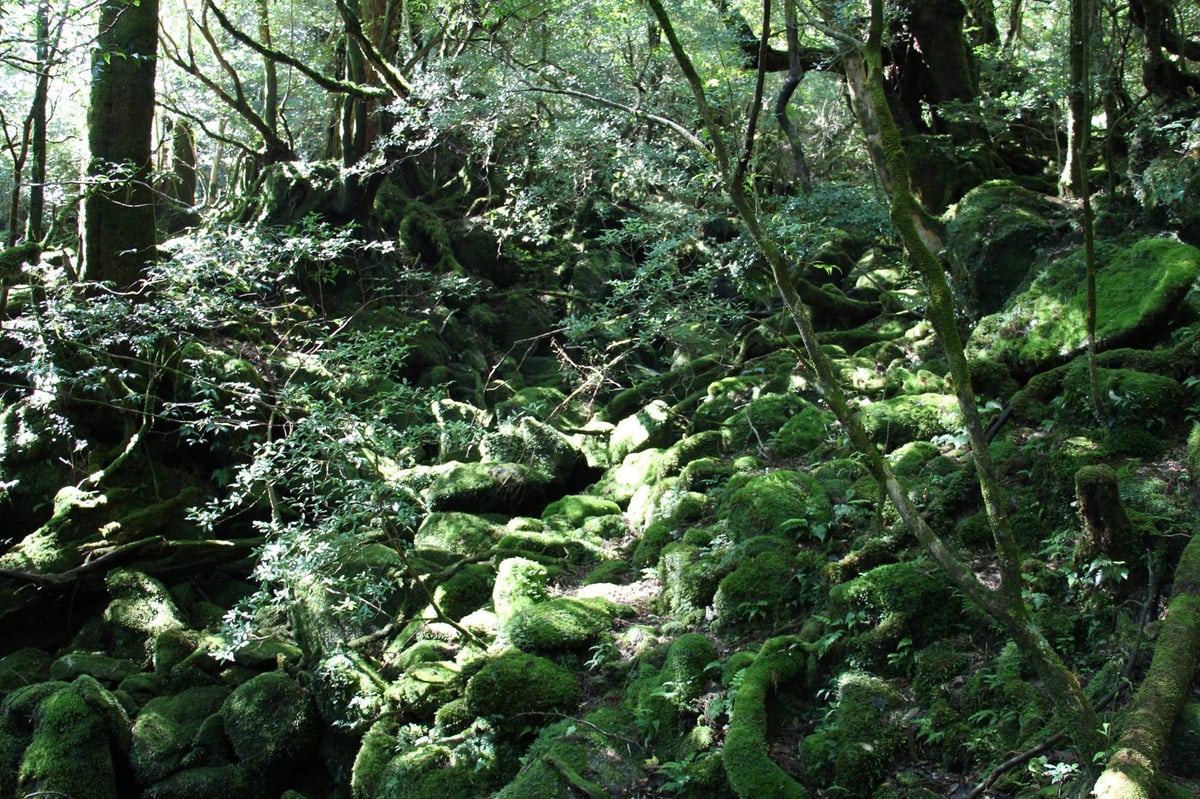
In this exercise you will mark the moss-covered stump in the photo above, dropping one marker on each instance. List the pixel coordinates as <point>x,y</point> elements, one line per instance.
<point>562,624</point>
<point>517,683</point>
<point>1107,528</point>
<point>991,237</point>
<point>748,763</point>
<point>81,734</point>
<point>164,731</point>
<point>777,503</point>
<point>272,725</point>
<point>1138,288</point>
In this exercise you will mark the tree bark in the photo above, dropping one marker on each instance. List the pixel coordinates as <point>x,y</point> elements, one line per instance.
<point>119,223</point>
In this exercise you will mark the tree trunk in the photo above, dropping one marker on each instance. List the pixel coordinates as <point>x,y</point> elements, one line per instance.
<point>1074,173</point>
<point>119,224</point>
<point>37,146</point>
<point>1107,529</point>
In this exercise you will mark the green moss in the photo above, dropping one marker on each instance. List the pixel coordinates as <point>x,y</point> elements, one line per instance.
<point>577,508</point>
<point>79,730</point>
<point>752,427</point>
<point>233,781</point>
<point>692,448</point>
<point>23,667</point>
<point>774,503</point>
<point>516,682</point>
<point>610,571</point>
<point>140,610</point>
<point>911,417</point>
<point>105,669</point>
<point>937,665</point>
<point>761,590</point>
<point>803,435</point>
<point>622,481</point>
<point>688,581</point>
<point>165,729</point>
<point>651,544</point>
<point>461,533</point>
<point>519,584</point>
<point>271,723</point>
<point>1183,751</point>
<point>1137,288</point>
<point>533,444</point>
<point>751,771</point>
<point>688,659</point>
<point>667,502</point>
<point>866,734</point>
<point>468,589</point>
<point>652,426</point>
<point>560,624</point>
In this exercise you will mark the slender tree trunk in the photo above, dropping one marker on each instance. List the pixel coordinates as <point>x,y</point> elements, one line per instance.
<point>119,223</point>
<point>794,76</point>
<point>270,104</point>
<point>37,149</point>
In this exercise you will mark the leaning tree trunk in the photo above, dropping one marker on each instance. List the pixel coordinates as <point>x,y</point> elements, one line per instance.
<point>119,223</point>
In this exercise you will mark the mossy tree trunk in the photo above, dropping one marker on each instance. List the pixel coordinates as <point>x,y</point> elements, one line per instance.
<point>1132,771</point>
<point>119,221</point>
<point>1004,604</point>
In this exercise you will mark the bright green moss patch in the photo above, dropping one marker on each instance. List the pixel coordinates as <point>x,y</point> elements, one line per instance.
<point>517,682</point>
<point>761,590</point>
<point>165,728</point>
<point>1136,289</point>
<point>579,507</point>
<point>774,503</point>
<point>271,723</point>
<point>460,533</point>
<point>911,417</point>
<point>560,624</point>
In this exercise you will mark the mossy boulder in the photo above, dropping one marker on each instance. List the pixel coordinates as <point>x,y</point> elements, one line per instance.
<point>141,609</point>
<point>892,602</point>
<point>468,589</point>
<point>517,682</point>
<point>81,732</point>
<point>753,426</point>
<point>348,691</point>
<point>165,729</point>
<point>653,426</point>
<point>761,590</point>
<point>507,488</point>
<point>620,482</point>
<point>23,667</point>
<point>561,624</point>
<point>689,581</point>
<point>667,501</point>
<point>533,444</point>
<point>992,235</point>
<point>228,781</point>
<point>571,759</point>
<point>460,533</point>
<point>911,417</point>
<point>107,670</point>
<point>1131,397</point>
<point>780,502</point>
<point>1137,290</point>
<point>685,669</point>
<point>578,508</point>
<point>520,583</point>
<point>802,435</point>
<point>271,723</point>
<point>867,733</point>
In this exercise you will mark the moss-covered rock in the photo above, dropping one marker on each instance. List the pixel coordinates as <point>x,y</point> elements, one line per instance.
<point>761,590</point>
<point>1138,288</point>
<point>1131,397</point>
<point>509,488</point>
<point>560,624</point>
<point>348,691</point>
<point>229,781</point>
<point>460,533</point>
<point>80,734</point>
<point>688,582</point>
<point>272,724</point>
<point>578,508</point>
<point>654,426</point>
<point>165,728</point>
<point>468,589</point>
<point>23,667</point>
<point>520,583</point>
<point>140,610</point>
<point>911,417</point>
<point>867,733</point>
<point>107,670</point>
<point>992,235</point>
<point>666,501</point>
<point>516,682</point>
<point>533,444</point>
<point>775,503</point>
<point>755,425</point>
<point>621,482</point>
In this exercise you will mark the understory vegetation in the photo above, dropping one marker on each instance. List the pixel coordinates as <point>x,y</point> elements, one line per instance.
<point>571,425</point>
